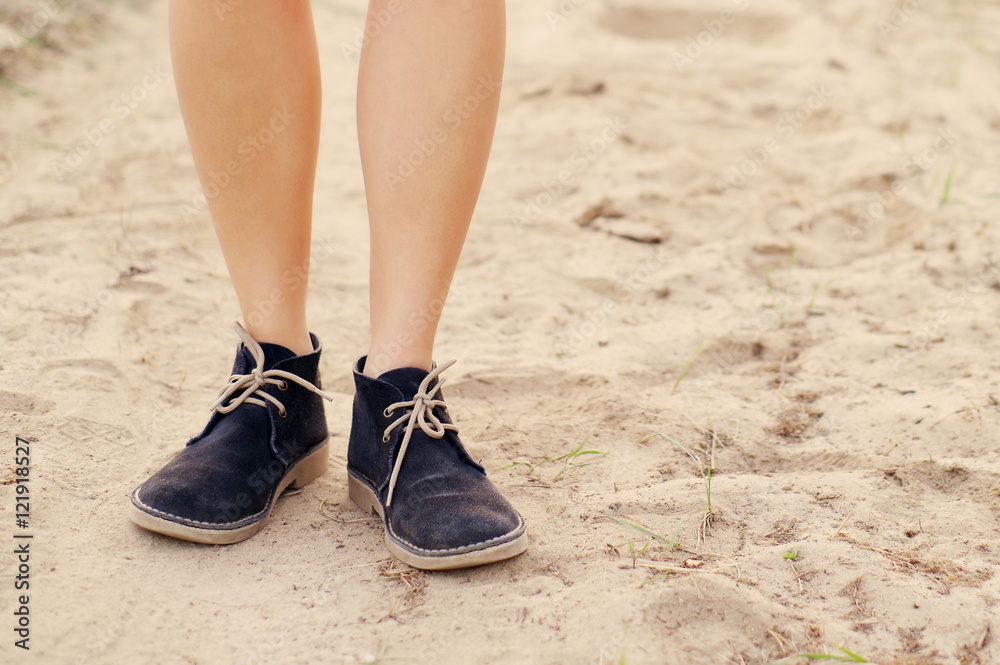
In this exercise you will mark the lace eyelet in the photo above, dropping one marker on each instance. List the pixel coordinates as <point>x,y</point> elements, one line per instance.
<point>283,386</point>
<point>386,412</point>
<point>283,414</point>
<point>385,438</point>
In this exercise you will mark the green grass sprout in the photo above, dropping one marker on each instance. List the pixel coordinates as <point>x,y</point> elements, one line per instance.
<point>774,297</point>
<point>686,368</point>
<point>570,460</point>
<point>642,530</point>
<point>636,555</point>
<point>812,301</point>
<point>946,194</point>
<point>847,657</point>
<point>705,470</point>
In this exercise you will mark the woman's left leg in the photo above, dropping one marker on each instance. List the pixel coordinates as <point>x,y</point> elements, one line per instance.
<point>428,95</point>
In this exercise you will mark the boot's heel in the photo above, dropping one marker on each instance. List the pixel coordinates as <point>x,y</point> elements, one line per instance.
<point>310,467</point>
<point>362,496</point>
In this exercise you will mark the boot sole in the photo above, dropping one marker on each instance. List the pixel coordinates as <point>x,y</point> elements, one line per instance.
<point>366,499</point>
<point>303,472</point>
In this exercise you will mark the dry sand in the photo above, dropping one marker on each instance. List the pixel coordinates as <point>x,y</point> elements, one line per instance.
<point>845,393</point>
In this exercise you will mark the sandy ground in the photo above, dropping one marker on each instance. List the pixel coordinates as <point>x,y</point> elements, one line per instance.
<point>33,30</point>
<point>823,178</point>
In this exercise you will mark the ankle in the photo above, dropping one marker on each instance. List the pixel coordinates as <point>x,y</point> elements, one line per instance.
<point>381,361</point>
<point>297,341</point>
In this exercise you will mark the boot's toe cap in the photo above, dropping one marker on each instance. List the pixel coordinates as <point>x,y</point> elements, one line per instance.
<point>199,494</point>
<point>455,521</point>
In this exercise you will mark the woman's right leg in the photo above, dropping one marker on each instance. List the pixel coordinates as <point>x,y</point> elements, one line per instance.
<point>249,88</point>
<point>248,83</point>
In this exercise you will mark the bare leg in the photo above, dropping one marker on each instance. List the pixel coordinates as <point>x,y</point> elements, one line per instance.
<point>249,88</point>
<point>428,94</point>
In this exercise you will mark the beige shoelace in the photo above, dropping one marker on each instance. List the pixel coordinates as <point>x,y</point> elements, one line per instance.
<point>253,384</point>
<point>421,414</point>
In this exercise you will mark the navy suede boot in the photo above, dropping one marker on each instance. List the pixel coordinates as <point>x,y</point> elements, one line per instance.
<point>406,463</point>
<point>267,432</point>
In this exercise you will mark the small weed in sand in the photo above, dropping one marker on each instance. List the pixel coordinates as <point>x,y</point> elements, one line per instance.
<point>847,657</point>
<point>13,85</point>
<point>572,461</point>
<point>774,298</point>
<point>633,553</point>
<point>621,655</point>
<point>569,459</point>
<point>791,557</point>
<point>705,470</point>
<point>811,307</point>
<point>771,291</point>
<point>686,368</point>
<point>641,529</point>
<point>946,194</point>
<point>777,301</point>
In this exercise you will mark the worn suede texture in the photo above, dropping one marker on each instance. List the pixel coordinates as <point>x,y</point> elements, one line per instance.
<point>443,503</point>
<point>226,476</point>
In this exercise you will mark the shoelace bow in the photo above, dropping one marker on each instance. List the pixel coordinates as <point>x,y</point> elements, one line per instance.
<point>253,384</point>
<point>421,414</point>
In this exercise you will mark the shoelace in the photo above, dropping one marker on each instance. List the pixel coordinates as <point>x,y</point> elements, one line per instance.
<point>421,414</point>
<point>253,384</point>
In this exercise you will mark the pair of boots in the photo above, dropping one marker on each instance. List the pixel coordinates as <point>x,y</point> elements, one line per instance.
<point>268,432</point>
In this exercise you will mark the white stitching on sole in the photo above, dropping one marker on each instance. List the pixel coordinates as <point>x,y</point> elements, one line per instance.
<point>457,550</point>
<point>220,526</point>
<point>465,549</point>
<point>225,526</point>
